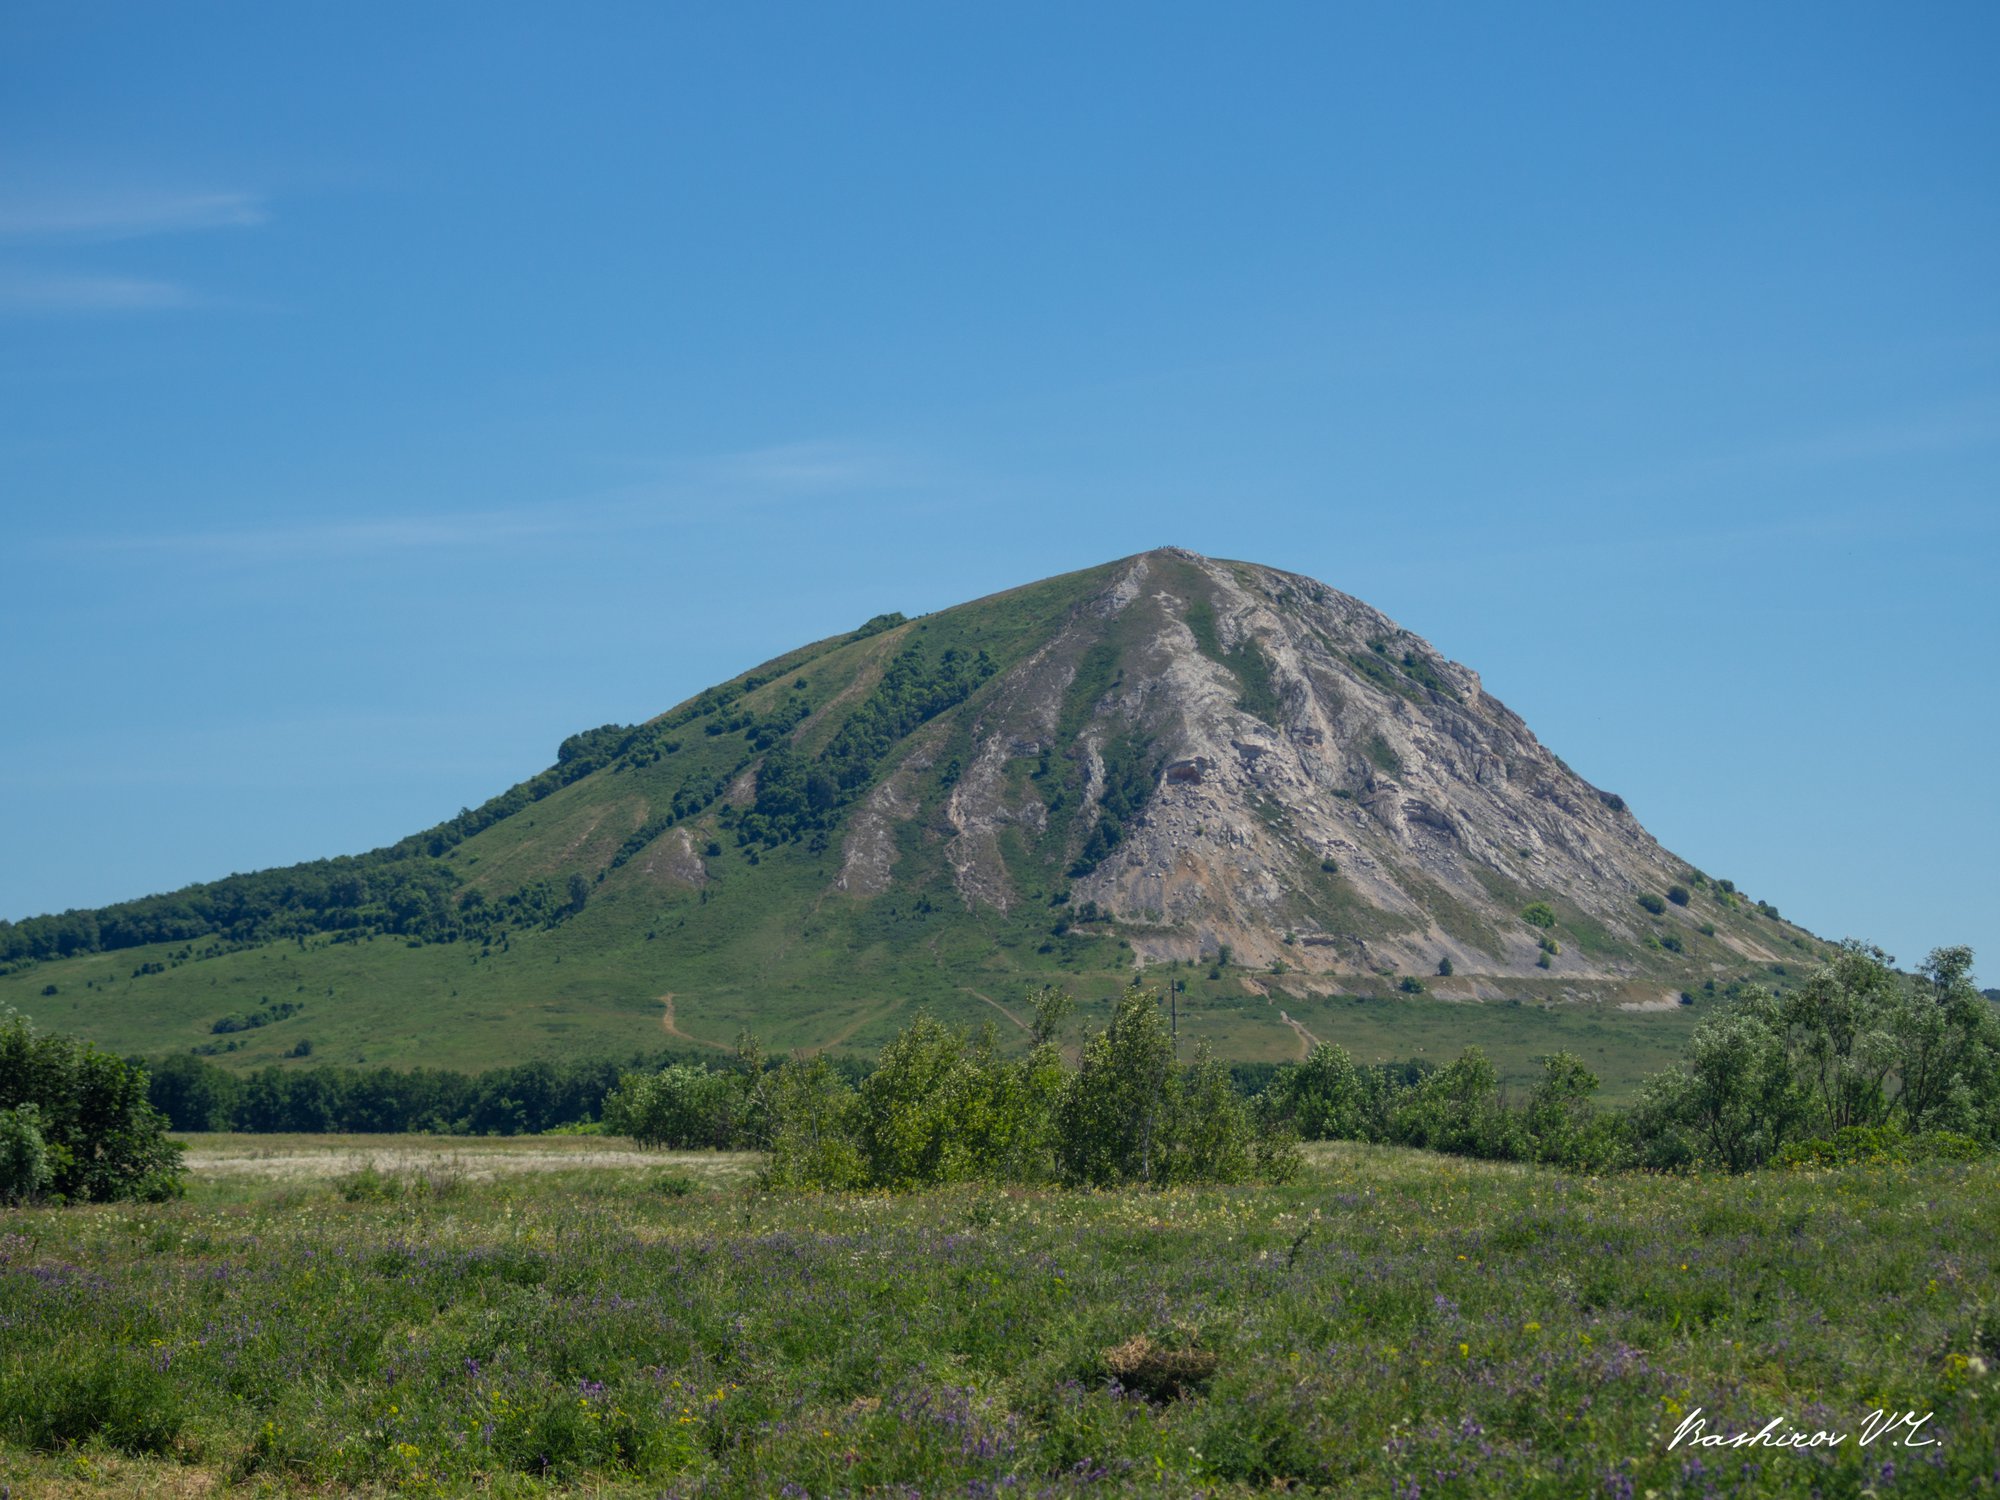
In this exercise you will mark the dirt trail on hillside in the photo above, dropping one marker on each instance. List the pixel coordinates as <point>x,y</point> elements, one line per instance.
<point>855,1025</point>
<point>999,1007</point>
<point>667,1025</point>
<point>1307,1041</point>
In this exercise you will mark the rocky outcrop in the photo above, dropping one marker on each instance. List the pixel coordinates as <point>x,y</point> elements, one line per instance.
<point>1315,771</point>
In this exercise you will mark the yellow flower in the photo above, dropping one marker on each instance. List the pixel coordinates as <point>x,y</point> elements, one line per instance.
<point>1465,1351</point>
<point>1534,1327</point>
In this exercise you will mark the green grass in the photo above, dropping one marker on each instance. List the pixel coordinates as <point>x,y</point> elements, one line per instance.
<point>1391,1320</point>
<point>592,987</point>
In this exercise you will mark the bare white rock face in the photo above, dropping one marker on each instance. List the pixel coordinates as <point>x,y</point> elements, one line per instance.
<point>1327,791</point>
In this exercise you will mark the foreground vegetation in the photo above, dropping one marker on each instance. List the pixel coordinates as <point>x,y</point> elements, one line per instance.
<point>1859,1062</point>
<point>1391,1323</point>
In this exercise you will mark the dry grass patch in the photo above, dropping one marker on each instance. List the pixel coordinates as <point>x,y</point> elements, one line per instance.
<point>1158,1372</point>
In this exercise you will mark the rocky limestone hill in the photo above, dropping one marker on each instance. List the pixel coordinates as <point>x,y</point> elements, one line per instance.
<point>1285,727</point>
<point>1225,775</point>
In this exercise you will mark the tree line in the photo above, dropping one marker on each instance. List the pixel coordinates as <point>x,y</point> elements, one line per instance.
<point>945,1105</point>
<point>1858,1062</point>
<point>1857,1058</point>
<point>521,1099</point>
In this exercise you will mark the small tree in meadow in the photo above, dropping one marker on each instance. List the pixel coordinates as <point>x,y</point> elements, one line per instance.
<point>25,1168</point>
<point>1322,1098</point>
<point>1561,1124</point>
<point>809,1112</point>
<point>1132,1113</point>
<point>681,1107</point>
<point>920,1111</point>
<point>102,1139</point>
<point>1458,1109</point>
<point>1731,1100</point>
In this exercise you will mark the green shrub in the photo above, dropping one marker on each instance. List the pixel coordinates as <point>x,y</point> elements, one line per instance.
<point>1539,914</point>
<point>1411,985</point>
<point>1132,1113</point>
<point>1877,1145</point>
<point>1652,903</point>
<point>1321,1099</point>
<point>1678,894</point>
<point>368,1184</point>
<point>810,1113</point>
<point>1444,968</point>
<point>104,1140</point>
<point>680,1107</point>
<point>1458,1109</point>
<point>554,1434</point>
<point>26,1169</point>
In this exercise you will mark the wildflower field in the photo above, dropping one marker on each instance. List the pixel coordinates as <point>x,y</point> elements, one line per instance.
<point>1393,1323</point>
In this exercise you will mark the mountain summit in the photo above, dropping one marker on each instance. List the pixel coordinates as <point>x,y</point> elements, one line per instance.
<point>1238,776</point>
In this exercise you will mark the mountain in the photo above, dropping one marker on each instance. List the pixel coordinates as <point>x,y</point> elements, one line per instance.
<point>1215,773</point>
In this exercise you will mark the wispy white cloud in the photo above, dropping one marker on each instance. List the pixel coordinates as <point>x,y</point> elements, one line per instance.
<point>1943,429</point>
<point>124,216</point>
<point>787,467</point>
<point>332,539</point>
<point>68,217</point>
<point>36,292</point>
<point>721,489</point>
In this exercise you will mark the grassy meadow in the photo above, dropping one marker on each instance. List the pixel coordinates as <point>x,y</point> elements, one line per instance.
<point>380,1002</point>
<point>353,1315</point>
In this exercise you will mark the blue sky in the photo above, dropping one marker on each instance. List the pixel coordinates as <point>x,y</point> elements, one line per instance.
<point>387,392</point>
